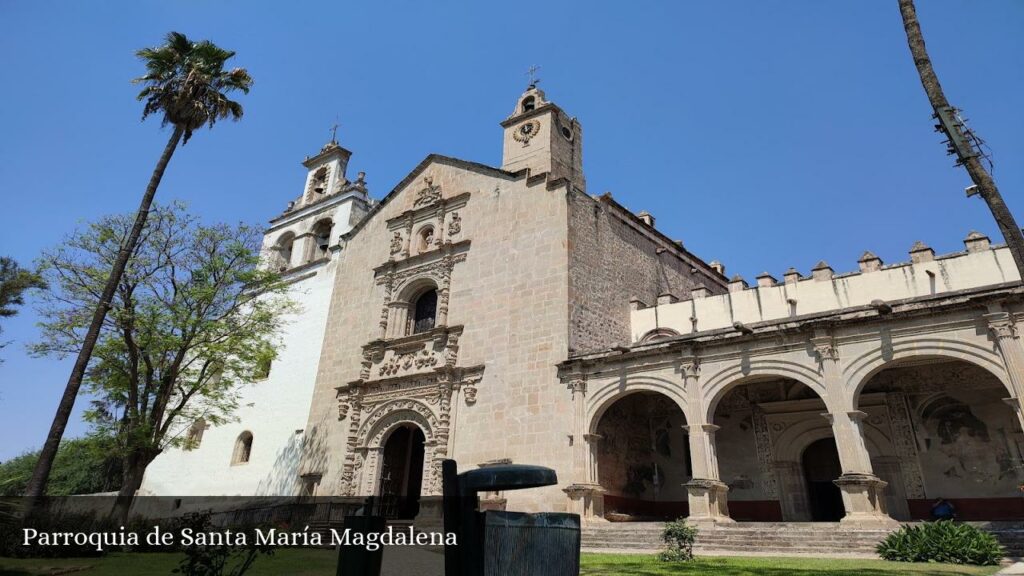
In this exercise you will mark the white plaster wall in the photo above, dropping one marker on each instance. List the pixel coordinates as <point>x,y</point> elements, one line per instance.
<point>274,410</point>
<point>812,295</point>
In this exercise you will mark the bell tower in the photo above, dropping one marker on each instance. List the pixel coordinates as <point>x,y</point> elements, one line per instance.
<point>541,137</point>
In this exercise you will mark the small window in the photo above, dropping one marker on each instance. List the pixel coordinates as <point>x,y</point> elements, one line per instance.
<point>529,103</point>
<point>243,448</point>
<point>425,311</point>
<point>195,434</point>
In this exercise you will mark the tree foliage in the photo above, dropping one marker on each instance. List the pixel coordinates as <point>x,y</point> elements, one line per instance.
<point>14,282</point>
<point>187,83</point>
<point>83,466</point>
<point>193,317</point>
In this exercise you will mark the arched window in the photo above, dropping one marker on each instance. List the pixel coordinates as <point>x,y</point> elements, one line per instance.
<point>243,448</point>
<point>424,311</point>
<point>284,251</point>
<point>318,183</point>
<point>195,434</point>
<point>321,239</point>
<point>529,103</point>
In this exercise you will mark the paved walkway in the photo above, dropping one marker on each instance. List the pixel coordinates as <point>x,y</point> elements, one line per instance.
<point>416,560</point>
<point>1015,568</point>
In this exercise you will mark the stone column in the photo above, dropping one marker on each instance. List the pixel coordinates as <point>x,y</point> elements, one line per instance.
<point>586,497</point>
<point>707,494</point>
<point>1004,332</point>
<point>863,492</point>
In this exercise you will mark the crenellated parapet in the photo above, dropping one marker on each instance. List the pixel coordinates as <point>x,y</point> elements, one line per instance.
<point>874,285</point>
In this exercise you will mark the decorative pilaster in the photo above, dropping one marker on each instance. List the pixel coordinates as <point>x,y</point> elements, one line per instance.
<point>580,451</point>
<point>1004,332</point>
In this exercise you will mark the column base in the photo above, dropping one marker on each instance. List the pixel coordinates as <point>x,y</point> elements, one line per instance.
<point>864,500</point>
<point>587,500</point>
<point>708,501</point>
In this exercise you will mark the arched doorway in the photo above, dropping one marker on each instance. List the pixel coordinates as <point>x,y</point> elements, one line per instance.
<point>401,475</point>
<point>765,424</point>
<point>952,435</point>
<point>643,459</point>
<point>821,467</point>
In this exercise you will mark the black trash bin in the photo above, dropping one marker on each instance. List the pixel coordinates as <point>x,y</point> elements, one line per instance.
<point>498,543</point>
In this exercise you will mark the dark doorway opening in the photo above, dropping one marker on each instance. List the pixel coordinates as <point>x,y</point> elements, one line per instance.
<point>402,473</point>
<point>821,467</point>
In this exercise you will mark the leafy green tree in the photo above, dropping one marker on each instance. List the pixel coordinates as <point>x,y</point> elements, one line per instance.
<point>14,282</point>
<point>83,466</point>
<point>186,82</point>
<point>193,317</point>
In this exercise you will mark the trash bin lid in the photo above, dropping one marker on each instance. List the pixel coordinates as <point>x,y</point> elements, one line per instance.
<point>507,477</point>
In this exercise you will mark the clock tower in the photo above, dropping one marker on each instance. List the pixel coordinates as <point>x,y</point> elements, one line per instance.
<point>541,137</point>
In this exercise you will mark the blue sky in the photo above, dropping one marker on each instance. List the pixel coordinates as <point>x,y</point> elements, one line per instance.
<point>764,134</point>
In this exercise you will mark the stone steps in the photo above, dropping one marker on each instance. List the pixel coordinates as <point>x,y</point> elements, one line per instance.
<point>776,538</point>
<point>826,539</point>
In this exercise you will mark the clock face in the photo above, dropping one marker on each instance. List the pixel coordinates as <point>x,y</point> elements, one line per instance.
<point>526,131</point>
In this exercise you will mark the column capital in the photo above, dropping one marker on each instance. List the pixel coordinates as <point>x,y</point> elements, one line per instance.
<point>577,385</point>
<point>1001,325</point>
<point>690,368</point>
<point>706,428</point>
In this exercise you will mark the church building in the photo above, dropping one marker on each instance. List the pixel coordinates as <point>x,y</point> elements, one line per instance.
<point>504,315</point>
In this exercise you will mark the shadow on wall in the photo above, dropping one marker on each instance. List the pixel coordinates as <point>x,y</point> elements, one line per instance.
<point>284,477</point>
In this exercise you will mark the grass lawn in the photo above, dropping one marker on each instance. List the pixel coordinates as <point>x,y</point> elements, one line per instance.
<point>306,562</point>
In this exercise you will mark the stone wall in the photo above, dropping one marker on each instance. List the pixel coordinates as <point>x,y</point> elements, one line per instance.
<point>614,256</point>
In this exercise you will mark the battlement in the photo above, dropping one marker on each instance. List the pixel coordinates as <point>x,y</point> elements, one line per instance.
<point>926,274</point>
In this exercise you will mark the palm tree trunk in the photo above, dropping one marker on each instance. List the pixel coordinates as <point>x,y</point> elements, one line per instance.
<point>41,474</point>
<point>981,178</point>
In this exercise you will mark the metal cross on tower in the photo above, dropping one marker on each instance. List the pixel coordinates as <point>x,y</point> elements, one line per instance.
<point>334,131</point>
<point>532,74</point>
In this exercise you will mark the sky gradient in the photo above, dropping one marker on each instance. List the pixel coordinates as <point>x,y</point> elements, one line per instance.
<point>764,134</point>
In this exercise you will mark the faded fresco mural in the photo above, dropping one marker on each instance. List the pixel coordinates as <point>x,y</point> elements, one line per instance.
<point>643,452</point>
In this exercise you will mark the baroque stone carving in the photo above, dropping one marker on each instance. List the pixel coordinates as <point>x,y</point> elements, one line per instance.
<point>396,243</point>
<point>526,131</point>
<point>765,454</point>
<point>428,195</point>
<point>455,224</point>
<point>904,445</point>
<point>470,394</point>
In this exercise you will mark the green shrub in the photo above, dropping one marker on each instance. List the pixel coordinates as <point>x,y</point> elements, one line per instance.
<point>679,537</point>
<point>943,541</point>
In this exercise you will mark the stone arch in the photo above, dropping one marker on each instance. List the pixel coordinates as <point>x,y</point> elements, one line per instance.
<point>791,442</point>
<point>724,381</point>
<point>602,397</point>
<point>380,424</point>
<point>640,451</point>
<point>385,417</point>
<point>863,368</point>
<point>283,249</point>
<point>320,239</point>
<point>657,335</point>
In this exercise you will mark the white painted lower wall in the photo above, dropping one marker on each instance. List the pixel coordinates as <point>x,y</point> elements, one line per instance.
<point>274,410</point>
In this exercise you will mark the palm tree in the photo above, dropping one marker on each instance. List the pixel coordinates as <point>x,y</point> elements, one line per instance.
<point>986,187</point>
<point>186,82</point>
